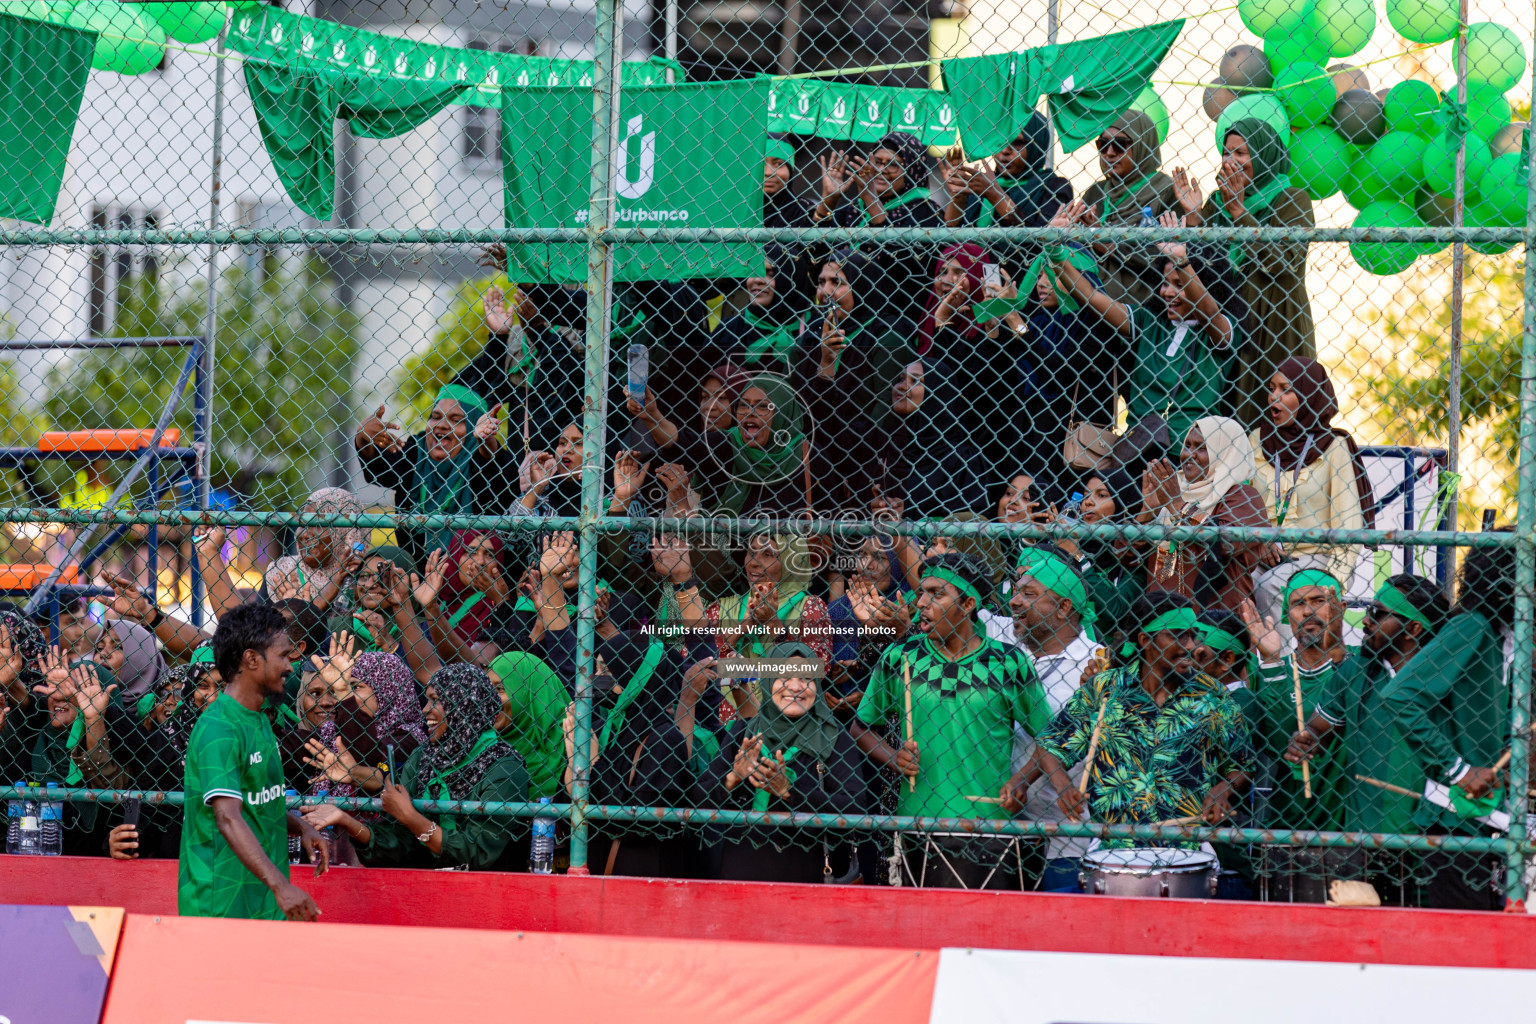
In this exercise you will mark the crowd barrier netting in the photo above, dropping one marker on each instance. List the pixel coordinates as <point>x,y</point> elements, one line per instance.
<point>1050,447</point>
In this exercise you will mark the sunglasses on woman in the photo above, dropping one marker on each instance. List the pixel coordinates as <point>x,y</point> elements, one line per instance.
<point>1113,144</point>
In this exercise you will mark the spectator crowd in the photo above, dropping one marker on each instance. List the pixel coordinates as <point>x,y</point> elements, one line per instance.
<point>1111,681</point>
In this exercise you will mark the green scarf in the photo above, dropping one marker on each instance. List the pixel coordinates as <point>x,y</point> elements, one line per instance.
<point>1029,183</point>
<point>752,467</point>
<point>536,700</point>
<point>774,340</point>
<point>1309,578</point>
<point>1061,579</point>
<point>362,632</point>
<point>910,195</point>
<point>1179,619</point>
<point>632,691</point>
<point>1396,602</point>
<point>443,484</point>
<point>484,742</point>
<point>1111,204</point>
<point>1271,176</point>
<point>469,602</point>
<point>1043,264</point>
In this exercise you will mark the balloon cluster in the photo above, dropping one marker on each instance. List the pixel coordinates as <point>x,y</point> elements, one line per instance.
<point>130,38</point>
<point>1391,152</point>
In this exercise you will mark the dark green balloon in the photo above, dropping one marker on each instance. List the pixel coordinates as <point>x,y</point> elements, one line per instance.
<point>1359,117</point>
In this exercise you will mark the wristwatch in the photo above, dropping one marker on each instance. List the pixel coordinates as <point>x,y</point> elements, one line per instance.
<point>156,616</point>
<point>426,837</point>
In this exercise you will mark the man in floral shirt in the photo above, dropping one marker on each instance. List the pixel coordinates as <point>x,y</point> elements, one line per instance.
<point>1172,743</point>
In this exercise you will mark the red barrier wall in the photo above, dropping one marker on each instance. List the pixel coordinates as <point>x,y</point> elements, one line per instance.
<point>829,915</point>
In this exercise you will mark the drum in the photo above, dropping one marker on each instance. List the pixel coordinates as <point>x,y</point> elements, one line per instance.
<point>1301,874</point>
<point>1184,874</point>
<point>967,860</point>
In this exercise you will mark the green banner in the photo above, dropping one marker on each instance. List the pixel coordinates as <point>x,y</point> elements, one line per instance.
<point>1090,82</point>
<point>687,156</point>
<point>859,113</point>
<point>43,68</point>
<point>277,37</point>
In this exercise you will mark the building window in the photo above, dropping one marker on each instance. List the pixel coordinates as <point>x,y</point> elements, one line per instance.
<point>120,278</point>
<point>481,145</point>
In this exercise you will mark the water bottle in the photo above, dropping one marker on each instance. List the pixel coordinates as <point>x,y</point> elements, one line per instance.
<point>1147,220</point>
<point>541,855</point>
<point>51,825</point>
<point>28,827</point>
<point>13,812</point>
<point>1072,512</point>
<point>295,844</point>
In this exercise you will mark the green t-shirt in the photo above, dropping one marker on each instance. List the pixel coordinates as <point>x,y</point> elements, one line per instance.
<point>1181,378</point>
<point>232,752</point>
<point>1371,746</point>
<point>1270,706</point>
<point>962,719</point>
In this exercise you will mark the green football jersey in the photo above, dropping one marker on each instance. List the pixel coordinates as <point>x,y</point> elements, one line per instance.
<point>232,752</point>
<point>963,713</point>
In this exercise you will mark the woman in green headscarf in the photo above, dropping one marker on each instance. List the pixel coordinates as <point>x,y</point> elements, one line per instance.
<point>1255,190</point>
<point>454,467</point>
<point>1131,159</point>
<point>792,756</point>
<point>533,701</point>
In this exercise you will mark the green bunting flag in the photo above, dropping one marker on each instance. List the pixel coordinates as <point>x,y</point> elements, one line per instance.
<point>859,113</point>
<point>1089,82</point>
<point>43,68</point>
<point>276,37</point>
<point>687,156</point>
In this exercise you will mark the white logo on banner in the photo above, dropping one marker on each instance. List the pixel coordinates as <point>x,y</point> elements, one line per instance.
<point>492,77</point>
<point>429,69</point>
<point>586,80</point>
<point>523,80</point>
<point>307,43</point>
<point>804,104</point>
<point>641,185</point>
<point>370,57</point>
<point>840,109</point>
<point>276,34</point>
<point>245,24</point>
<point>339,52</point>
<point>874,110</point>
<point>554,79</point>
<point>945,115</point>
<point>462,74</point>
<point>773,99</point>
<point>909,114</point>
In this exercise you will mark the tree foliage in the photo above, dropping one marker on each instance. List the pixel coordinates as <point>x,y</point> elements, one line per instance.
<point>459,338</point>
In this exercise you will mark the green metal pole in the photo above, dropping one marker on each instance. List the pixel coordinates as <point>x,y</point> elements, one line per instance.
<point>605,98</point>
<point>1525,568</point>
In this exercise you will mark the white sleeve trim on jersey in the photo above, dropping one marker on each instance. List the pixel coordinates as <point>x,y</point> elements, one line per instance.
<point>208,796</point>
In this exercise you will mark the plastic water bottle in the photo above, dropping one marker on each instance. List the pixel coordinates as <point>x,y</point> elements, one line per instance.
<point>51,826</point>
<point>1072,512</point>
<point>541,855</point>
<point>295,844</point>
<point>28,827</point>
<point>13,811</point>
<point>1147,220</point>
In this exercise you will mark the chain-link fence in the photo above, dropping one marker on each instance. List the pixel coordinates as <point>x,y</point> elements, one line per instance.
<point>1042,447</point>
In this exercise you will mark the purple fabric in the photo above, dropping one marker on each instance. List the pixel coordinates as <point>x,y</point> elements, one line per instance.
<point>51,970</point>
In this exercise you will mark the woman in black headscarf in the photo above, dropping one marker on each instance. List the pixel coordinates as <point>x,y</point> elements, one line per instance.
<point>925,455</point>
<point>463,759</point>
<point>792,756</point>
<point>1131,159</point>
<point>1254,191</point>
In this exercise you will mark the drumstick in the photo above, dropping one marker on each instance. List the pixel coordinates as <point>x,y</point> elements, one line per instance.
<point>1389,787</point>
<point>906,680</point>
<point>1093,748</point>
<point>1301,726</point>
<point>1193,819</point>
<point>986,799</point>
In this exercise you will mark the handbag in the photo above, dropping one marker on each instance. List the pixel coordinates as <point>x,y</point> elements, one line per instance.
<point>1089,446</point>
<point>1148,433</point>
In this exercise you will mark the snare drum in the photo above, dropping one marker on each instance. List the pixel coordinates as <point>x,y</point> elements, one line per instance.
<point>1186,874</point>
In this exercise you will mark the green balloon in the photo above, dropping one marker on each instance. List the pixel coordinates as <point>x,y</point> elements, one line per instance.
<point>1305,46</point>
<point>1394,164</point>
<point>1501,190</point>
<point>1265,18</point>
<point>126,43</point>
<point>1320,160</point>
<point>1424,21</point>
<point>1261,105</point>
<point>1495,55</point>
<point>1480,215</point>
<point>188,22</point>
<point>1384,258</point>
<point>1151,104</point>
<point>1307,92</point>
<point>1437,211</point>
<point>37,10</point>
<point>1348,24</point>
<point>1411,107</point>
<point>1440,163</point>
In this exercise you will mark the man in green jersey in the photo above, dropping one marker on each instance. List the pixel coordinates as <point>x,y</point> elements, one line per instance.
<point>956,718</point>
<point>234,838</point>
<point>1405,615</point>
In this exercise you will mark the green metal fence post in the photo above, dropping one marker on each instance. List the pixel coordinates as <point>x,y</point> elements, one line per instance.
<point>605,90</point>
<point>1525,568</point>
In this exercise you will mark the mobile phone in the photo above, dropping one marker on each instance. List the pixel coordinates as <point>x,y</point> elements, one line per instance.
<point>389,758</point>
<point>1490,520</point>
<point>639,370</point>
<point>992,275</point>
<point>387,575</point>
<point>131,809</point>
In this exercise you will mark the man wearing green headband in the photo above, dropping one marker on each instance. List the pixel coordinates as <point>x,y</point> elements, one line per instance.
<point>1050,608</point>
<point>1314,609</point>
<point>967,692</point>
<point>1406,613</point>
<point>1172,742</point>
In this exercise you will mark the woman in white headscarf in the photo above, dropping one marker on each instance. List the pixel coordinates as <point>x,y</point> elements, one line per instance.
<point>317,572</point>
<point>1211,487</point>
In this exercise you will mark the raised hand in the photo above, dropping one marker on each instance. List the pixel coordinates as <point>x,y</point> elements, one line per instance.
<point>336,765</point>
<point>953,302</point>
<point>494,257</point>
<point>1233,179</point>
<point>426,590</point>
<point>342,646</point>
<point>834,174</point>
<point>628,476</point>
<point>53,666</point>
<point>128,601</point>
<point>542,467</point>
<point>210,545</point>
<point>885,507</point>
<point>381,434</point>
<point>747,756</point>
<point>487,425</point>
<point>89,695</point>
<point>953,172</point>
<point>498,319</point>
<point>763,603</point>
<point>671,558</point>
<point>559,558</point>
<point>676,480</point>
<point>11,661</point>
<point>1266,639</point>
<point>865,599</point>
<point>1169,219</point>
<point>1187,191</point>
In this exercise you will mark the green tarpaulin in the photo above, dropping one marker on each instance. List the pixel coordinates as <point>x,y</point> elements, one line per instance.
<point>687,156</point>
<point>43,68</point>
<point>297,110</point>
<point>311,44</point>
<point>1089,82</point>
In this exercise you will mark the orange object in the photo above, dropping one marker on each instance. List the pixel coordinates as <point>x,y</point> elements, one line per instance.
<point>104,440</point>
<point>25,576</point>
